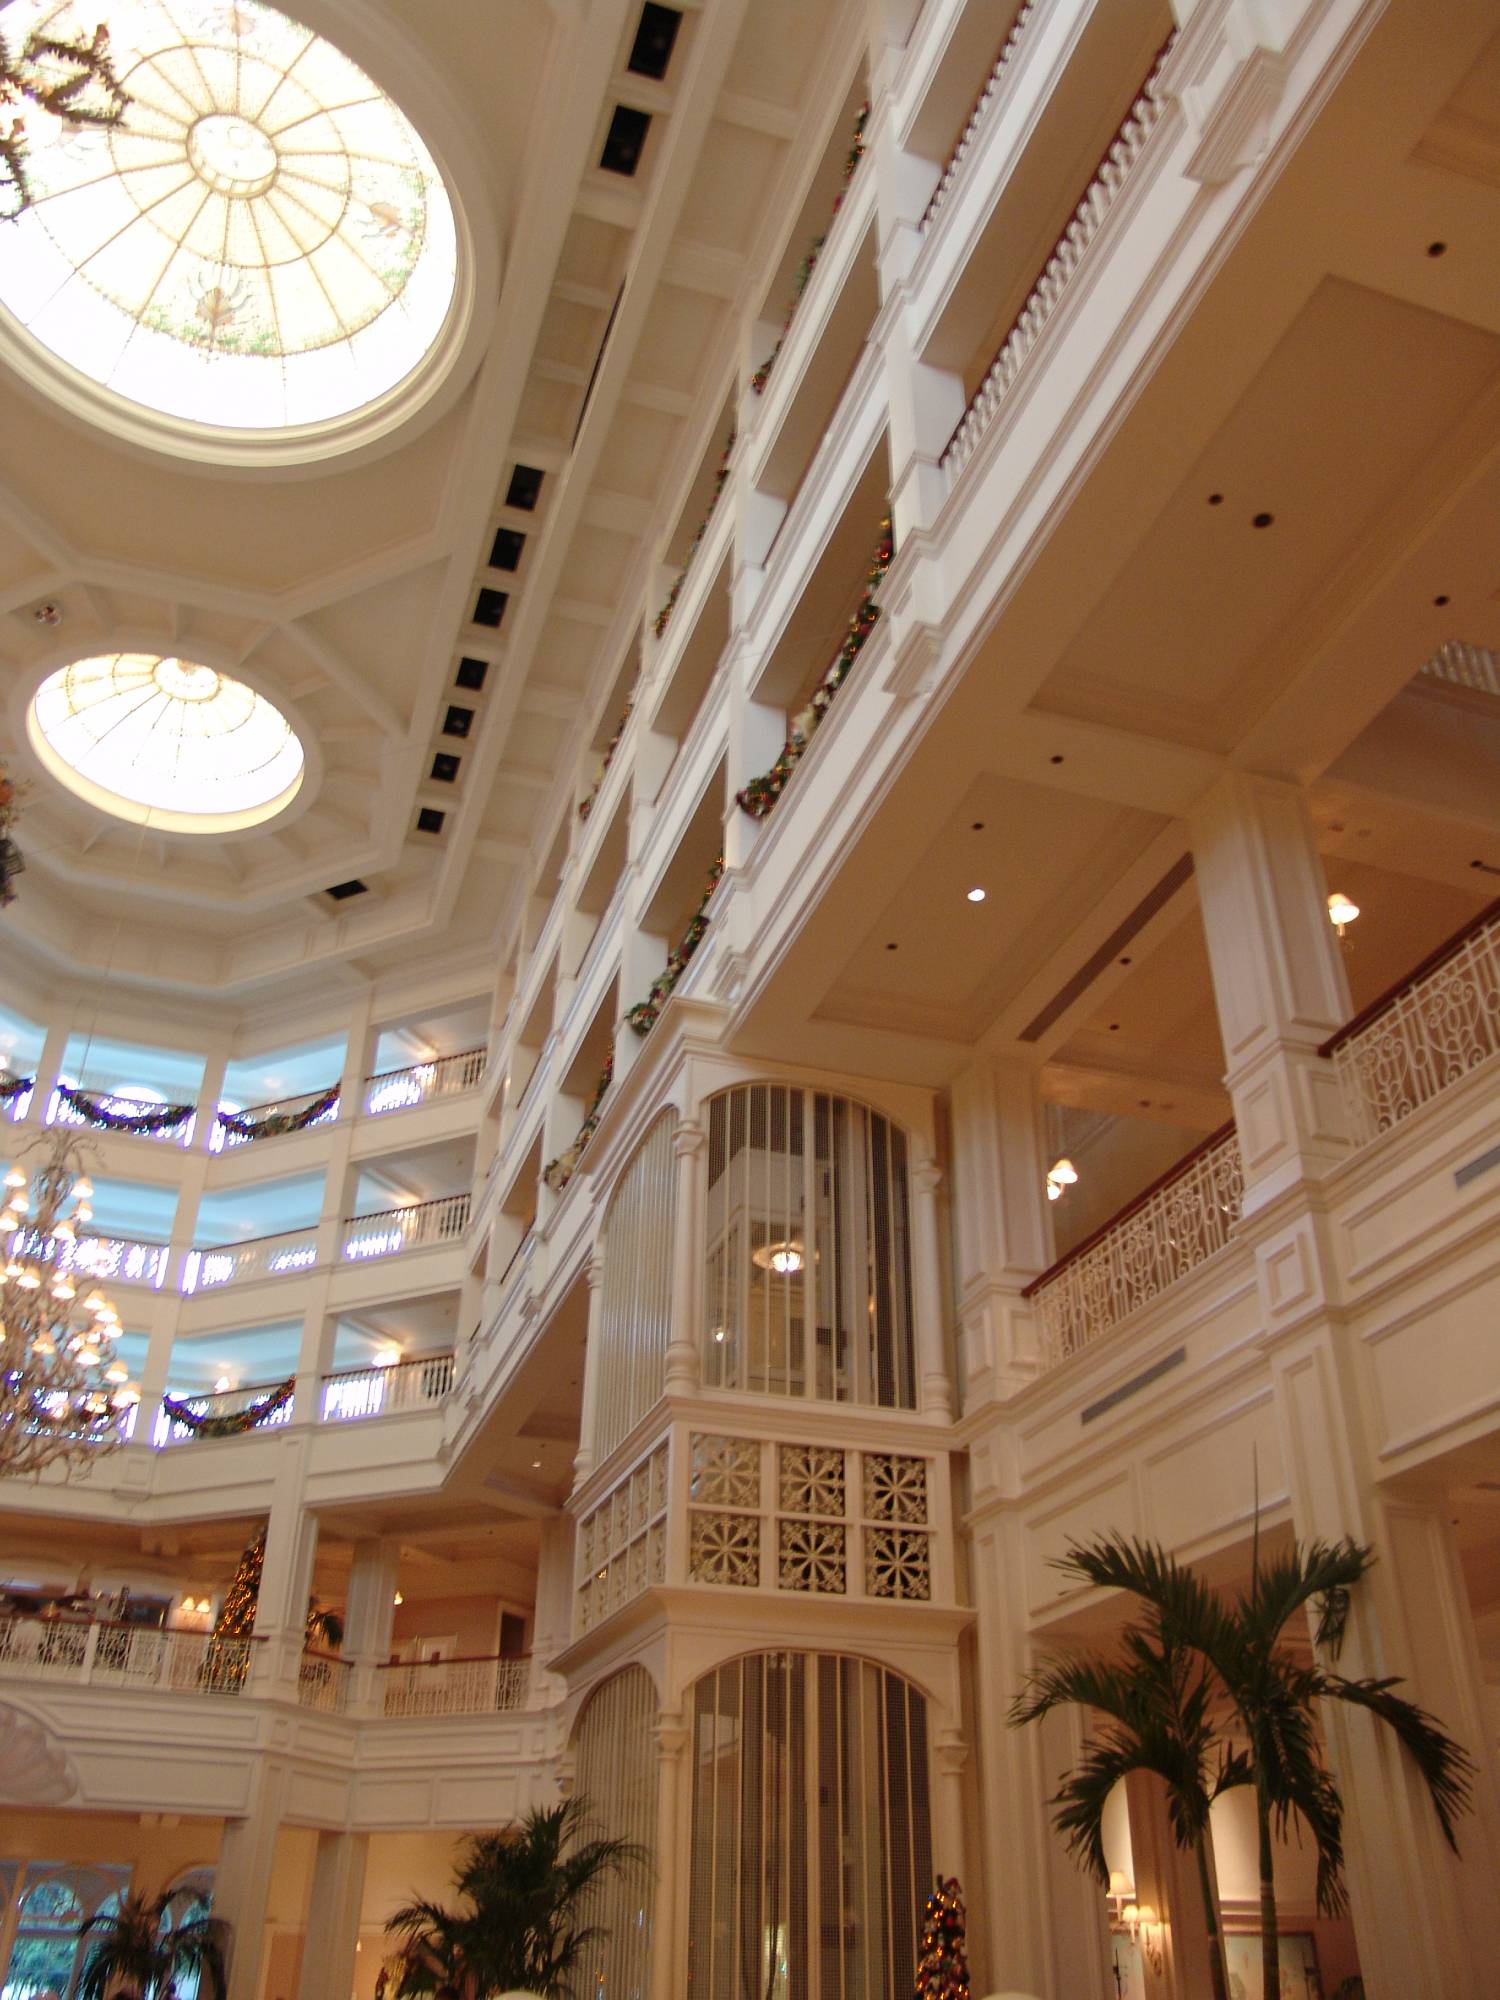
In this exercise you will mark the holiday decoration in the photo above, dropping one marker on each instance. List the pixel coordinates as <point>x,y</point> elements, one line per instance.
<point>11,862</point>
<point>12,1087</point>
<point>557,1173</point>
<point>227,1659</point>
<point>808,265</point>
<point>71,81</point>
<point>761,794</point>
<point>664,616</point>
<point>276,1122</point>
<point>237,1422</point>
<point>98,1109</point>
<point>643,1015</point>
<point>586,805</point>
<point>943,1968</point>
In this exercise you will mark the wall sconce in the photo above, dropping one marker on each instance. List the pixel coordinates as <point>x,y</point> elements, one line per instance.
<point>1138,1921</point>
<point>1063,1174</point>
<point>1341,912</point>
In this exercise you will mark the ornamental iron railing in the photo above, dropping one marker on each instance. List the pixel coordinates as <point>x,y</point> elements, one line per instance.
<point>391,1230</point>
<point>99,1653</point>
<point>1072,246</point>
<point>352,1393</point>
<point>1423,1035</point>
<point>1180,1222</point>
<point>475,1686</point>
<point>258,1257</point>
<point>323,1682</point>
<point>444,1076</point>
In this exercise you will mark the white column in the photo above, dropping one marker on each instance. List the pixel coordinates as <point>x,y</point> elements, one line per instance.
<point>670,1929</point>
<point>332,1935</point>
<point>49,1062</point>
<point>286,1576</point>
<point>684,1364</point>
<point>1174,1949</point>
<point>242,1878</point>
<point>1278,979</point>
<point>583,1458</point>
<point>934,1386</point>
<point>369,1613</point>
<point>1002,1234</point>
<point>1424,1919</point>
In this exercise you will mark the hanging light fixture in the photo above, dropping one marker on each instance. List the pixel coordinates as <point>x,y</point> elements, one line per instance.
<point>62,1392</point>
<point>1341,912</point>
<point>1062,1175</point>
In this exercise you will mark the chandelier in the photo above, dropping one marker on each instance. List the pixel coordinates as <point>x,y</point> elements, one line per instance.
<point>68,81</point>
<point>63,1391</point>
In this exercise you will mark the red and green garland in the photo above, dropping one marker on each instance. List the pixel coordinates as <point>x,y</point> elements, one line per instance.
<point>721,478</point>
<point>98,1110</point>
<point>237,1422</point>
<point>943,1967</point>
<point>12,1087</point>
<point>277,1122</point>
<point>761,794</point>
<point>586,805</point>
<point>643,1015</point>
<point>808,265</point>
<point>11,862</point>
<point>557,1173</point>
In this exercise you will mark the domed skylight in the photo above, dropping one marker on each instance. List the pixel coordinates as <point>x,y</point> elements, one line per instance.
<point>163,741</point>
<point>263,242</point>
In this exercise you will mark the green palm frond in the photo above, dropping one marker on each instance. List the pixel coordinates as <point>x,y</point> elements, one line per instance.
<point>1183,1609</point>
<point>1446,1767</point>
<point>1314,1573</point>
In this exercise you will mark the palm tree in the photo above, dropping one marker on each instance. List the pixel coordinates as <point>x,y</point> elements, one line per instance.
<point>138,1952</point>
<point>1272,1695</point>
<point>1158,1699</point>
<point>527,1890</point>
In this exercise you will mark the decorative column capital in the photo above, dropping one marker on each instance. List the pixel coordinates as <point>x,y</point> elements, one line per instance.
<point>593,1271</point>
<point>926,1176</point>
<point>671,1735</point>
<point>688,1140</point>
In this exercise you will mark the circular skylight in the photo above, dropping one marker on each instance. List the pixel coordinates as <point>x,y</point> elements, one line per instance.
<point>166,742</point>
<point>262,243</point>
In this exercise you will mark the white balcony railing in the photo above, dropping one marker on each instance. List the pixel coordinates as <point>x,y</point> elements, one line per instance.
<point>453,1687</point>
<point>979,116</point>
<point>60,1112</point>
<point>102,1654</point>
<point>323,1682</point>
<point>1465,666</point>
<point>444,1076</point>
<point>110,1259</point>
<point>1424,1035</point>
<point>259,1257</point>
<point>167,1429</point>
<point>273,1120</point>
<point>391,1230</point>
<point>1171,1229</point>
<point>352,1393</point>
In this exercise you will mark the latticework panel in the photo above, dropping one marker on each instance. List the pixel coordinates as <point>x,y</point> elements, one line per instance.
<point>622,1543</point>
<point>809,1287</point>
<point>636,1302</point>
<point>811,1830</point>
<point>616,1774</point>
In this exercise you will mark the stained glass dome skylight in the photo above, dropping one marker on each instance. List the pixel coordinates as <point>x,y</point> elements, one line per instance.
<point>165,741</point>
<point>262,243</point>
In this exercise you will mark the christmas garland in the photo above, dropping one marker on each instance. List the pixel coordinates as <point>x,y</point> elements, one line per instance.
<point>238,1421</point>
<point>586,805</point>
<point>11,862</point>
<point>809,263</point>
<point>557,1173</point>
<point>761,794</point>
<point>277,1122</point>
<point>643,1015</point>
<point>721,477</point>
<point>90,1105</point>
<point>11,1087</point>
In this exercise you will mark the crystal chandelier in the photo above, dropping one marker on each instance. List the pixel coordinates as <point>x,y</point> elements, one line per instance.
<point>59,80</point>
<point>63,1391</point>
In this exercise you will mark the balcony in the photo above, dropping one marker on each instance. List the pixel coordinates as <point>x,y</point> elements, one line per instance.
<point>481,1685</point>
<point>274,1120</point>
<point>1180,1222</point>
<point>61,1651</point>
<point>383,1233</point>
<point>167,1429</point>
<point>421,1083</point>
<point>323,1681</point>
<point>355,1393</point>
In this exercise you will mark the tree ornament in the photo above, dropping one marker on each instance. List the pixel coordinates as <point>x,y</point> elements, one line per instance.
<point>942,1966</point>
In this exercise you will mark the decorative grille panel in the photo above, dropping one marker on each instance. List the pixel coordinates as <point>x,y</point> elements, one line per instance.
<point>622,1544</point>
<point>811,1830</point>
<point>808,1249</point>
<point>616,1773</point>
<point>636,1304</point>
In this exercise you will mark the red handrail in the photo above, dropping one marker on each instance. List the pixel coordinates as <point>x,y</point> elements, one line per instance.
<point>1430,963</point>
<point>452,1660</point>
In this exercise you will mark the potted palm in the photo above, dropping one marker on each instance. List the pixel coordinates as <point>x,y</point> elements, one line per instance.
<point>140,1952</point>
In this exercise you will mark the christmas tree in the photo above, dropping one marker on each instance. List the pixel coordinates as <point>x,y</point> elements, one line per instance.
<point>227,1660</point>
<point>942,1969</point>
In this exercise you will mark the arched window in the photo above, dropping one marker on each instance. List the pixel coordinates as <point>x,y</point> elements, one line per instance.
<point>46,1951</point>
<point>636,1303</point>
<point>616,1774</point>
<point>809,1287</point>
<point>811,1831</point>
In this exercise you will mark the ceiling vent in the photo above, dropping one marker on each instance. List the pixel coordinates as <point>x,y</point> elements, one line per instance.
<point>624,140</point>
<point>342,891</point>
<point>445,767</point>
<point>525,489</point>
<point>489,607</point>
<point>654,41</point>
<point>430,820</point>
<point>505,550</point>
<point>471,674</point>
<point>458,720</point>
<point>1154,900</point>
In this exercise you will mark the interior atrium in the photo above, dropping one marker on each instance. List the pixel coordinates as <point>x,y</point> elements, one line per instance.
<point>757,751</point>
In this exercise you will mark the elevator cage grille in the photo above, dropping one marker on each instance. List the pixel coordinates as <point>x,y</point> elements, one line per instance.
<point>636,1298</point>
<point>616,1773</point>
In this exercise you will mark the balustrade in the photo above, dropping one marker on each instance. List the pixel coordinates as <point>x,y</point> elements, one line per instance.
<point>105,1654</point>
<point>390,1230</point>
<point>274,1119</point>
<point>1465,666</point>
<point>108,1259</point>
<point>1424,1035</point>
<point>483,1685</point>
<point>259,1257</point>
<point>1176,1225</point>
<point>167,1429</point>
<point>323,1682</point>
<point>444,1076</point>
<point>352,1393</point>
<point>60,1112</point>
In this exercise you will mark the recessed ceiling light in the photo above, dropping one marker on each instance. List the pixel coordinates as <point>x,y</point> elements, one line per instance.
<point>976,895</point>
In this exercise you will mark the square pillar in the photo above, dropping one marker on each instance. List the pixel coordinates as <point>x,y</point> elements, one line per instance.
<point>1002,1233</point>
<point>338,1887</point>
